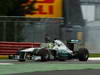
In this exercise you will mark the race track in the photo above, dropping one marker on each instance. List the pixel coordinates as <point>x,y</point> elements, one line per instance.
<point>67,72</point>
<point>69,67</point>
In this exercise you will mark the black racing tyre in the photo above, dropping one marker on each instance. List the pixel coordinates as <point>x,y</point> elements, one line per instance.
<point>83,54</point>
<point>21,56</point>
<point>45,54</point>
<point>11,57</point>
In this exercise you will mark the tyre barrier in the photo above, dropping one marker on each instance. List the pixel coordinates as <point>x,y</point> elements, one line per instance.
<point>12,48</point>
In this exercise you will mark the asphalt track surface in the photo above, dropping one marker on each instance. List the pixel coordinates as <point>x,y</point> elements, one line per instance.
<point>58,72</point>
<point>74,61</point>
<point>67,72</point>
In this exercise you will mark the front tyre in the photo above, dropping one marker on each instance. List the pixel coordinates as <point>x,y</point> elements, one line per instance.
<point>21,56</point>
<point>83,54</point>
<point>45,54</point>
<point>45,57</point>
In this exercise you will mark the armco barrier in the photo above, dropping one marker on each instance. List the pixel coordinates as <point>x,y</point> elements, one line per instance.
<point>11,48</point>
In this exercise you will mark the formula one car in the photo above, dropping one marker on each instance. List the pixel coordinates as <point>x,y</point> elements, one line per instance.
<point>56,51</point>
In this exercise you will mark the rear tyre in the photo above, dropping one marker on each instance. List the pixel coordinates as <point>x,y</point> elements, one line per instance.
<point>83,54</point>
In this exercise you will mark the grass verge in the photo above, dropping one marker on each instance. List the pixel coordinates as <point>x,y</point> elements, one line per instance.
<point>94,55</point>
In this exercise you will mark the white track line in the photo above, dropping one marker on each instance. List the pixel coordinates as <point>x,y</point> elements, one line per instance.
<point>94,58</point>
<point>6,63</point>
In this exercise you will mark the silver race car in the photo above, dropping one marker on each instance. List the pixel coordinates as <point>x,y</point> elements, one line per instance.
<point>53,51</point>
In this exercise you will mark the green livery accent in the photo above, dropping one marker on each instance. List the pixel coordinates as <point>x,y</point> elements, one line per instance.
<point>63,53</point>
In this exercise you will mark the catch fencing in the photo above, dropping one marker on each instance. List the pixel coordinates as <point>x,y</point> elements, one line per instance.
<point>24,29</point>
